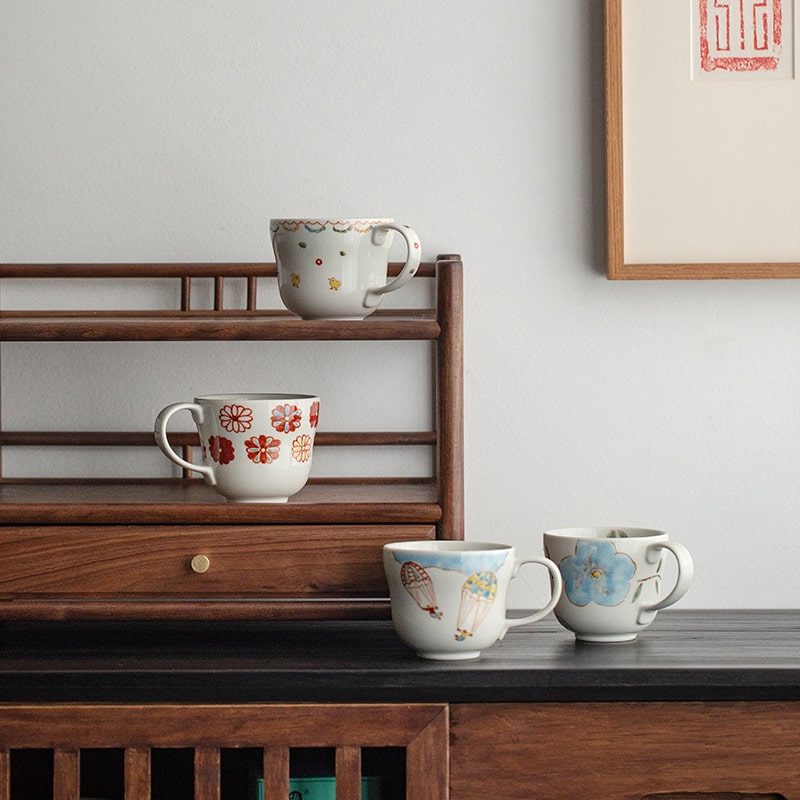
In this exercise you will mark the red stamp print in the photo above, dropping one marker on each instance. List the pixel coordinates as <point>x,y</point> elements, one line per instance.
<point>740,35</point>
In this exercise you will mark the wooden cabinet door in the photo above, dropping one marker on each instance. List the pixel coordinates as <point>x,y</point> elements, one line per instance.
<point>626,751</point>
<point>67,730</point>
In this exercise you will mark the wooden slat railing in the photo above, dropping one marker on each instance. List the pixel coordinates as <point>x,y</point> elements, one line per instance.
<point>183,272</point>
<point>191,439</point>
<point>187,441</point>
<point>186,322</point>
<point>422,729</point>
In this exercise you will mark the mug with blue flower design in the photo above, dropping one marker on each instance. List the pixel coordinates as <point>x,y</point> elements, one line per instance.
<point>449,597</point>
<point>256,448</point>
<point>337,268</point>
<point>613,579</point>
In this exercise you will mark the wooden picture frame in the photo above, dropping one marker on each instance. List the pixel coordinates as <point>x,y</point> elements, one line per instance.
<point>673,209</point>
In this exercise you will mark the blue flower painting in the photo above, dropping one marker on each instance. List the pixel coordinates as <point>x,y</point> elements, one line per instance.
<point>597,573</point>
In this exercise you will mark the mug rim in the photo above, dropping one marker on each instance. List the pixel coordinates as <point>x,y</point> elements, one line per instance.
<point>324,220</point>
<point>254,396</point>
<point>602,531</point>
<point>446,546</point>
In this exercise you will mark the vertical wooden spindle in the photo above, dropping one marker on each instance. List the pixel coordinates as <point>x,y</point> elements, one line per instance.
<point>186,293</point>
<point>187,456</point>
<point>251,292</point>
<point>206,773</point>
<point>276,772</point>
<point>66,774</point>
<point>348,773</point>
<point>450,396</point>
<point>137,773</point>
<point>5,775</point>
<point>1,416</point>
<point>428,761</point>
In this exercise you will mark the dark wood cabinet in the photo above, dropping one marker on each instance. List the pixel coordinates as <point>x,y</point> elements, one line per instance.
<point>199,739</point>
<point>146,654</point>
<point>703,705</point>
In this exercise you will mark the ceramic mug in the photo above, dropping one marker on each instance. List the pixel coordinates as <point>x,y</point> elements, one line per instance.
<point>612,579</point>
<point>449,597</point>
<point>336,268</point>
<point>257,448</point>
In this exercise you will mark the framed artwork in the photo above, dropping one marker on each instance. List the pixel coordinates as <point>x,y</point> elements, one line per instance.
<point>702,139</point>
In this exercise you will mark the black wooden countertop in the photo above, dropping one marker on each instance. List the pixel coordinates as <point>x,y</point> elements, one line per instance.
<point>684,655</point>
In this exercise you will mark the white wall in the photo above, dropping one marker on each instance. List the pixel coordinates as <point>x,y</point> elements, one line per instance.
<point>140,130</point>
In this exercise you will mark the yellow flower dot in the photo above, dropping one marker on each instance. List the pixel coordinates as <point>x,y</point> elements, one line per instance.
<point>596,573</point>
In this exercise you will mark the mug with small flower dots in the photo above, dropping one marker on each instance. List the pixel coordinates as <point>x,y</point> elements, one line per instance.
<point>256,448</point>
<point>337,268</point>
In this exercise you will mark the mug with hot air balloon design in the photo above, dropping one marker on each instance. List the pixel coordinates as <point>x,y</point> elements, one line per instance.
<point>449,597</point>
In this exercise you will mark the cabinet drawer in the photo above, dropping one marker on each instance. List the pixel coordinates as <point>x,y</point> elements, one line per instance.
<point>627,751</point>
<point>198,562</point>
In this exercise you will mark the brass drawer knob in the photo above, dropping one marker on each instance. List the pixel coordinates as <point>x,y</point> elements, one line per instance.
<point>200,564</point>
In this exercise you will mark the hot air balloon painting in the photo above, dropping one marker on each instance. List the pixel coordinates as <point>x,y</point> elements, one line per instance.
<point>420,586</point>
<point>477,597</point>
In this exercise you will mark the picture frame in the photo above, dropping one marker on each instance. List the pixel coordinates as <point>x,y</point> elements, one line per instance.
<point>702,156</point>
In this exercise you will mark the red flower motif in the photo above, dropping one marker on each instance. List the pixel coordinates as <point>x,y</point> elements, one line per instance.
<point>220,449</point>
<point>235,418</point>
<point>262,449</point>
<point>286,418</point>
<point>313,414</point>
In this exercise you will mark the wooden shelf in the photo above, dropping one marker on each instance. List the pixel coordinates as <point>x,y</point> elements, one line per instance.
<point>685,656</point>
<point>188,324</point>
<point>101,548</point>
<point>210,326</point>
<point>53,501</point>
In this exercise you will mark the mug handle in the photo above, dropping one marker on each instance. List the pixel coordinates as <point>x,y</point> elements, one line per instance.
<point>685,574</point>
<point>160,431</point>
<point>557,586</point>
<point>409,270</point>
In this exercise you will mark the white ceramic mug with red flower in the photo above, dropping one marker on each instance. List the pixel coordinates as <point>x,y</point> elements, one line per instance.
<point>336,268</point>
<point>256,448</point>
